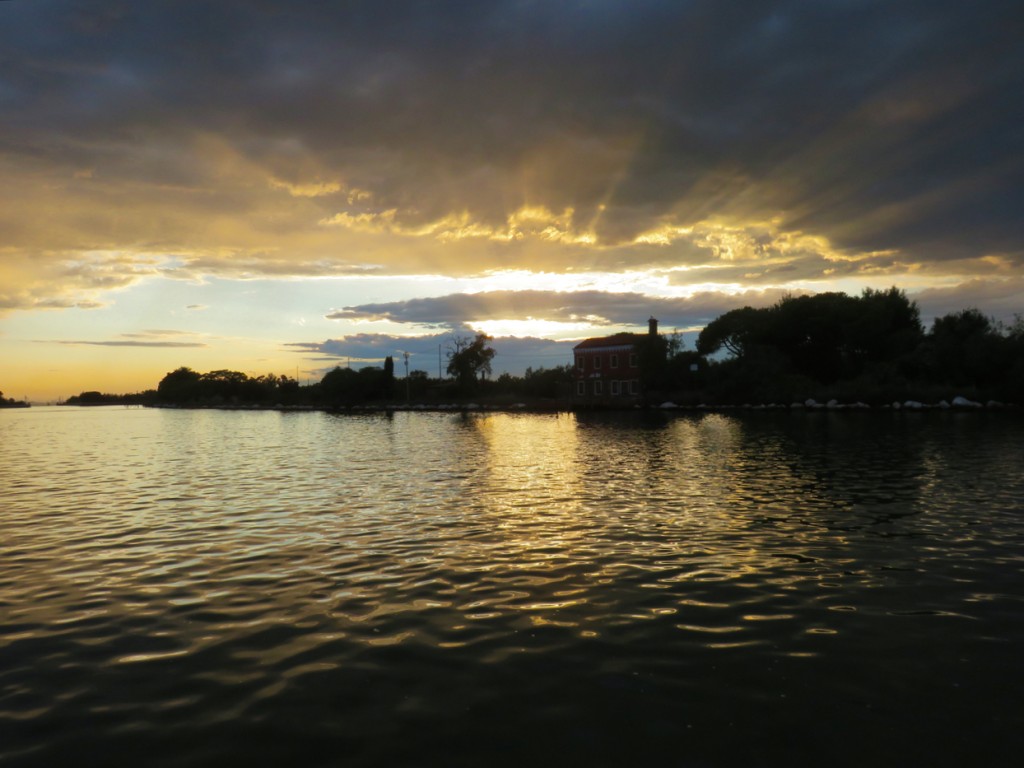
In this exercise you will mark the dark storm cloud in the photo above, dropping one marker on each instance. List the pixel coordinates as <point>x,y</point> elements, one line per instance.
<point>595,307</point>
<point>782,271</point>
<point>998,299</point>
<point>430,353</point>
<point>880,125</point>
<point>456,313</point>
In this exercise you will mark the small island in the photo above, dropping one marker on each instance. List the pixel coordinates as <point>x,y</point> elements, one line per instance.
<point>9,402</point>
<point>93,397</point>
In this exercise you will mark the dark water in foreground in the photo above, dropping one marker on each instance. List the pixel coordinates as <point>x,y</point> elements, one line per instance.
<point>214,588</point>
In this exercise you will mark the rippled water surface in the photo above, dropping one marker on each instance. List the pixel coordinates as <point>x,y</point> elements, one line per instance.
<point>204,587</point>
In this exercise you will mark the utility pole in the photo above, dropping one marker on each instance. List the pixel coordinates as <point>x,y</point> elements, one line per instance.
<point>438,362</point>
<point>406,356</point>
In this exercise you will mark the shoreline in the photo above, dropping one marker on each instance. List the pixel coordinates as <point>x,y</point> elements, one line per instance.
<point>912,406</point>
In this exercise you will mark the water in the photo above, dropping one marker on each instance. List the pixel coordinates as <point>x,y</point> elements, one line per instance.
<point>203,587</point>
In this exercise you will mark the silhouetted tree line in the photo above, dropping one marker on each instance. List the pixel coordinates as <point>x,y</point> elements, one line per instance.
<point>341,388</point>
<point>10,402</point>
<point>469,366</point>
<point>92,397</point>
<point>188,388</point>
<point>346,387</point>
<point>871,347</point>
<point>535,384</point>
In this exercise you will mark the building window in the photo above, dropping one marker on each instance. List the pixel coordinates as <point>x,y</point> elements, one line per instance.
<point>581,362</point>
<point>634,387</point>
<point>597,387</point>
<point>614,362</point>
<point>614,388</point>
<point>581,388</point>
<point>597,361</point>
<point>634,360</point>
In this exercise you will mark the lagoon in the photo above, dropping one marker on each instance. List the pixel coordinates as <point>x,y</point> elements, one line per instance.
<point>765,588</point>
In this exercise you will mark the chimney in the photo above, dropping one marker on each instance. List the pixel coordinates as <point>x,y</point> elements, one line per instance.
<point>652,327</point>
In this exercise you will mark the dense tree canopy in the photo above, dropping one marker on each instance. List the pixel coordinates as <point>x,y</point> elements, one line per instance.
<point>345,386</point>
<point>734,331</point>
<point>184,386</point>
<point>469,360</point>
<point>871,347</point>
<point>825,337</point>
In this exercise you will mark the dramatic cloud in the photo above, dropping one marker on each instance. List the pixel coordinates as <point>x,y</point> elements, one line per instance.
<point>63,280</point>
<point>999,298</point>
<point>729,152</point>
<point>277,133</point>
<point>430,353</point>
<point>596,308</point>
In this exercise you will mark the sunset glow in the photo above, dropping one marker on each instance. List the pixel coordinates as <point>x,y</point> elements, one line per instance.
<point>300,190</point>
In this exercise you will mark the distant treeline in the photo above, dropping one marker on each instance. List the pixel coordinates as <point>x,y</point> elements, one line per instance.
<point>10,402</point>
<point>187,387</point>
<point>102,398</point>
<point>871,348</point>
<point>347,387</point>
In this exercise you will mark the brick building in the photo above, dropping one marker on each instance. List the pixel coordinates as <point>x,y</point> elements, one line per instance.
<point>608,369</point>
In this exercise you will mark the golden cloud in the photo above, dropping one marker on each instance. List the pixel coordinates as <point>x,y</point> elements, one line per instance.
<point>525,222</point>
<point>313,189</point>
<point>63,280</point>
<point>204,204</point>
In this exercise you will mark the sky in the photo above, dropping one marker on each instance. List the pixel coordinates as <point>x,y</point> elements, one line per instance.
<point>282,188</point>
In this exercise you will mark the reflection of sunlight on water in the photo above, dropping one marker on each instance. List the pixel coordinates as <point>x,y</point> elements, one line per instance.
<point>584,522</point>
<point>580,514</point>
<point>253,560</point>
<point>531,464</point>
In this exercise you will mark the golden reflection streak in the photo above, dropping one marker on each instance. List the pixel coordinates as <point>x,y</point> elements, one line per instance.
<point>553,498</point>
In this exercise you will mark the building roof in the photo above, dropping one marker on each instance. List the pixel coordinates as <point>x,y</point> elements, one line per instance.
<point>616,340</point>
